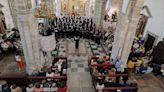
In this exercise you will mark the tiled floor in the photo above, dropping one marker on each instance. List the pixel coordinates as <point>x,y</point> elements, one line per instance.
<point>79,79</point>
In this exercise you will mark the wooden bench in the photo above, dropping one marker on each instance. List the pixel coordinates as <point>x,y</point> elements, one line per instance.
<point>111,89</point>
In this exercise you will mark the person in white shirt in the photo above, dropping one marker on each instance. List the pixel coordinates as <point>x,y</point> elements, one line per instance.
<point>59,63</point>
<point>100,86</point>
<point>54,87</point>
<point>15,88</point>
<point>49,74</point>
<point>30,88</point>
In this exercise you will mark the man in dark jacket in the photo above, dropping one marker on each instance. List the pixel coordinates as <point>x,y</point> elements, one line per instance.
<point>77,39</point>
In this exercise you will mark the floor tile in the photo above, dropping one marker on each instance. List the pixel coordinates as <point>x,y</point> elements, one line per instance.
<point>80,70</point>
<point>80,65</point>
<point>73,69</point>
<point>86,70</point>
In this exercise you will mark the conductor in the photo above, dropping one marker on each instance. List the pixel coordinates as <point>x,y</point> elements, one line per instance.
<point>77,39</point>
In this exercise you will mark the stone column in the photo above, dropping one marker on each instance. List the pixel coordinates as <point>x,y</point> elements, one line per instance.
<point>134,16</point>
<point>97,12</point>
<point>103,11</point>
<point>29,35</point>
<point>87,8</point>
<point>125,31</point>
<point>58,8</point>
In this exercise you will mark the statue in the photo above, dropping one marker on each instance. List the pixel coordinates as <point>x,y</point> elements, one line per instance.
<point>43,11</point>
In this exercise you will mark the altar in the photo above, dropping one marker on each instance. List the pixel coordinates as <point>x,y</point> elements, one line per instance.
<point>76,7</point>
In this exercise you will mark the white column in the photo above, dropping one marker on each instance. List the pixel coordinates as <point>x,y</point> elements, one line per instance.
<point>29,35</point>
<point>134,15</point>
<point>58,8</point>
<point>7,13</point>
<point>125,31</point>
<point>98,12</point>
<point>124,6</point>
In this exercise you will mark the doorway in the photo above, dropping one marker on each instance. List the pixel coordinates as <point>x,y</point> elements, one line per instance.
<point>149,42</point>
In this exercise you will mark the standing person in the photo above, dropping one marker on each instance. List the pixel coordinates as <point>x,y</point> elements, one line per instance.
<point>19,62</point>
<point>77,39</point>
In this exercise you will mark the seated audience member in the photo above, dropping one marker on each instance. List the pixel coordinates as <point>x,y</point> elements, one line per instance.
<point>118,90</point>
<point>118,65</point>
<point>141,40</point>
<point>142,48</point>
<point>62,88</point>
<point>46,88</point>
<point>55,61</point>
<point>143,68</point>
<point>15,88</point>
<point>162,69</point>
<point>49,74</point>
<point>64,72</point>
<point>0,87</point>
<point>96,74</point>
<point>42,72</point>
<point>43,83</point>
<point>56,73</point>
<point>5,88</point>
<point>54,88</point>
<point>100,60</point>
<point>93,61</point>
<point>131,64</point>
<point>100,86</point>
<point>30,88</point>
<point>138,64</point>
<point>111,72</point>
<point>105,65</point>
<point>38,88</point>
<point>111,62</point>
<point>59,63</point>
<point>156,69</point>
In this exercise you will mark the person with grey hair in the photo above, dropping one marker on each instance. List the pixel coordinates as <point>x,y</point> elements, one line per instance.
<point>30,88</point>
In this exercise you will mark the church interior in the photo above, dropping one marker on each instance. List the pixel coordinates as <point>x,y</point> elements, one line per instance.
<point>81,46</point>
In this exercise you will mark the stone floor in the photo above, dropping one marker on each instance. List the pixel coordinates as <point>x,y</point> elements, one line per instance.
<point>148,83</point>
<point>78,72</point>
<point>79,79</point>
<point>8,65</point>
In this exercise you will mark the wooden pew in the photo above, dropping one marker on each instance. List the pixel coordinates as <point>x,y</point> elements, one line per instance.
<point>44,77</point>
<point>18,79</point>
<point>61,57</point>
<point>116,75</point>
<point>101,65</point>
<point>22,79</point>
<point>111,89</point>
